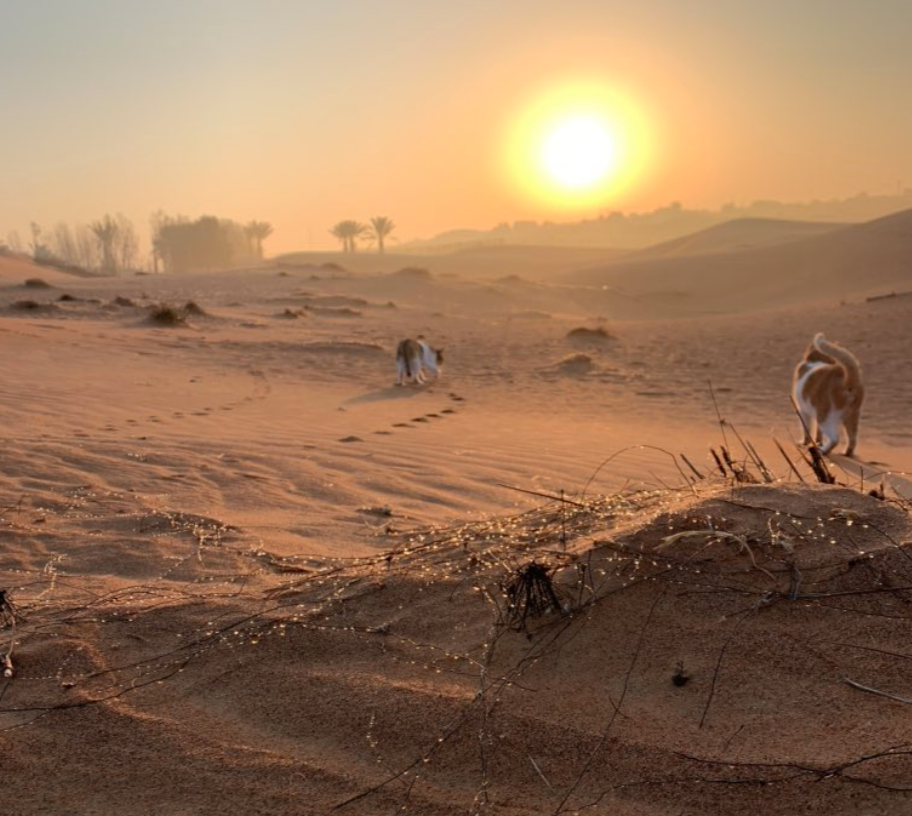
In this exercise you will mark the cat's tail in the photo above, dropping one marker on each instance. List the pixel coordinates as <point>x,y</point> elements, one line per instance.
<point>844,358</point>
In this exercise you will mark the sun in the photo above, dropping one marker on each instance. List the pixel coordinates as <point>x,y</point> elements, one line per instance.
<point>579,151</point>
<point>576,145</point>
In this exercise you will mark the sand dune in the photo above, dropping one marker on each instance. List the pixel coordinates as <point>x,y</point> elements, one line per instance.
<point>244,562</point>
<point>736,235</point>
<point>847,263</point>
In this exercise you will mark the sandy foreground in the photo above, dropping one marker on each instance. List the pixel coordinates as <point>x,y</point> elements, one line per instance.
<point>249,573</point>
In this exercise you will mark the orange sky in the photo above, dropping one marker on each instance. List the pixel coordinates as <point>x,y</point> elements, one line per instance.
<point>304,114</point>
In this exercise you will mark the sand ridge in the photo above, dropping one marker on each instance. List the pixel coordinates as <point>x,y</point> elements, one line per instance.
<point>246,562</point>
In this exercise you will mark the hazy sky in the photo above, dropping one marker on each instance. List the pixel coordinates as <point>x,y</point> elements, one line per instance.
<point>306,112</point>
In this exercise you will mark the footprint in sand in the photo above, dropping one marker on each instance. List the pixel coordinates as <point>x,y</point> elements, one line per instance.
<point>154,419</point>
<point>456,397</point>
<point>420,419</point>
<point>402,425</point>
<point>384,433</point>
<point>448,411</point>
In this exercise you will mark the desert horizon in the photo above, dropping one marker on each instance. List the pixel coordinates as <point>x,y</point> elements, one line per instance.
<point>491,409</point>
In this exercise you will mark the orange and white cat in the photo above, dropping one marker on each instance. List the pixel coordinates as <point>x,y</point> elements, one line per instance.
<point>414,357</point>
<point>828,393</point>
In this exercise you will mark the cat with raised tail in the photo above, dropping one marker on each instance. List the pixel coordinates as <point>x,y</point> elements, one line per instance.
<point>828,392</point>
<point>414,357</point>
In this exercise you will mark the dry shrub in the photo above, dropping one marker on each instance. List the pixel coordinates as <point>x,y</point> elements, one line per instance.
<point>192,308</point>
<point>32,306</point>
<point>412,273</point>
<point>584,334</point>
<point>166,315</point>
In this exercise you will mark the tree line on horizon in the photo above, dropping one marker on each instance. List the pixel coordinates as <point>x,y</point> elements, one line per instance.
<point>111,244</point>
<point>107,246</point>
<point>349,232</point>
<point>180,244</point>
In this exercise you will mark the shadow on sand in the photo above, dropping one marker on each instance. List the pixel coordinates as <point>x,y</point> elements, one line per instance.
<point>874,473</point>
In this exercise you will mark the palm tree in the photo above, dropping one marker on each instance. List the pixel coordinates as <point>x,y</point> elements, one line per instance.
<point>348,232</point>
<point>381,226</point>
<point>258,231</point>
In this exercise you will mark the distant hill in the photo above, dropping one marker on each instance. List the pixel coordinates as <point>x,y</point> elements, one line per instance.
<point>737,235</point>
<point>639,230</point>
<point>847,262</point>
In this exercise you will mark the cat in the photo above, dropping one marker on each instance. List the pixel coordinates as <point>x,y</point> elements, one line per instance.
<point>828,392</point>
<point>413,357</point>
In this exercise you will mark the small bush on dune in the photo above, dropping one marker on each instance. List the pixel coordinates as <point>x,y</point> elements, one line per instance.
<point>165,315</point>
<point>37,283</point>
<point>192,308</point>
<point>598,335</point>
<point>68,298</point>
<point>412,273</point>
<point>579,360</point>
<point>32,306</point>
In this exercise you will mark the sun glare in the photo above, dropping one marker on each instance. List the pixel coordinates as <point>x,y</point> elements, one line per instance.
<point>577,145</point>
<point>578,152</point>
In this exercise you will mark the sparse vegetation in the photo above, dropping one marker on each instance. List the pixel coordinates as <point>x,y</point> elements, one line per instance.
<point>32,306</point>
<point>414,272</point>
<point>165,315</point>
<point>597,335</point>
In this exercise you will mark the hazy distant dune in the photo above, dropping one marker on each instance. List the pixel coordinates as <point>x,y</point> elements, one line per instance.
<point>843,263</point>
<point>736,235</point>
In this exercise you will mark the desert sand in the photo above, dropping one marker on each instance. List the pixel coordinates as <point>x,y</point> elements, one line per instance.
<point>245,572</point>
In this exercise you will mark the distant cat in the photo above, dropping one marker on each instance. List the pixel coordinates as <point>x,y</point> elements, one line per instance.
<point>413,357</point>
<point>828,393</point>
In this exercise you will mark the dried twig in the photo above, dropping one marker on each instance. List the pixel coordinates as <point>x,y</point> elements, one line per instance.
<point>878,692</point>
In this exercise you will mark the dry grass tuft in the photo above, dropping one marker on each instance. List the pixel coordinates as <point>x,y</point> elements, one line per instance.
<point>33,306</point>
<point>166,315</point>
<point>586,335</point>
<point>412,273</point>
